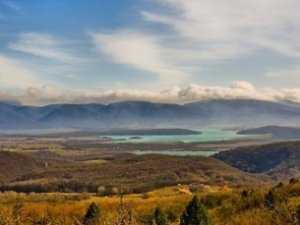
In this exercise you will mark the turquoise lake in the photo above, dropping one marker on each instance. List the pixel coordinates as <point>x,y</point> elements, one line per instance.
<point>209,135</point>
<point>177,152</point>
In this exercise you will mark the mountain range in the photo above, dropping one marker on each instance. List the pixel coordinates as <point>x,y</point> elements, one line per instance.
<point>139,114</point>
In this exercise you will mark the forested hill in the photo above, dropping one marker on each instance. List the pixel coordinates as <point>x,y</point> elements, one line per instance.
<point>279,160</point>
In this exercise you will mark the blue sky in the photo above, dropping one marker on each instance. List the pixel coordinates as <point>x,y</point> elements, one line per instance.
<point>158,50</point>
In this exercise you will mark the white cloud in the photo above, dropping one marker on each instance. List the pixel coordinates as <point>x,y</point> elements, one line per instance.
<point>192,34</point>
<point>197,33</point>
<point>243,85</point>
<point>43,45</point>
<point>15,74</point>
<point>46,94</point>
<point>240,24</point>
<point>238,90</point>
<point>140,51</point>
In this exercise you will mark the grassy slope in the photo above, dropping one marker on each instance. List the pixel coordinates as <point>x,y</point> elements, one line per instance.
<point>225,206</point>
<point>135,173</point>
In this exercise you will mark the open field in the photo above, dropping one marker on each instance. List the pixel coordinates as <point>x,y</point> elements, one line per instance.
<point>243,206</point>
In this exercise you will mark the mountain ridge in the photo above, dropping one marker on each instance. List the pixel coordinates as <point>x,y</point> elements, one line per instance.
<point>143,114</point>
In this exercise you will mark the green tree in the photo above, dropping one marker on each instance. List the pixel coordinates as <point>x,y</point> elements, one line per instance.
<point>195,214</point>
<point>159,217</point>
<point>92,215</point>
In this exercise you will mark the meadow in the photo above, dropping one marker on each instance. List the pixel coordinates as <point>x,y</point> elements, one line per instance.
<point>276,205</point>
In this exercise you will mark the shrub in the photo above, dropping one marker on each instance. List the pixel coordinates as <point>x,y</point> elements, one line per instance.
<point>92,215</point>
<point>195,214</point>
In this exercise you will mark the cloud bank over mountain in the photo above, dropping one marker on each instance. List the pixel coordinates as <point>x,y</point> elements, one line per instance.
<point>163,50</point>
<point>193,92</point>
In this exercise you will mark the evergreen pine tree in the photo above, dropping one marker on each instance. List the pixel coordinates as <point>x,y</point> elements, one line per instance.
<point>92,215</point>
<point>159,217</point>
<point>195,214</point>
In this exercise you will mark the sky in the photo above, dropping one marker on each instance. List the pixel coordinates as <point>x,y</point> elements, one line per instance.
<point>77,51</point>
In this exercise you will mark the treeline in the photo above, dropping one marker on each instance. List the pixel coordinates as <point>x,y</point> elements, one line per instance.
<point>73,186</point>
<point>61,186</point>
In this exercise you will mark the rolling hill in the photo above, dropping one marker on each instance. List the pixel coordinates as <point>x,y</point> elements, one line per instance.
<point>280,161</point>
<point>135,173</point>
<point>139,115</point>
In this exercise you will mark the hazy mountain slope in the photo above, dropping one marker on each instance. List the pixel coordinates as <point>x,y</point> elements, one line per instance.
<point>279,160</point>
<point>276,132</point>
<point>13,116</point>
<point>149,115</point>
<point>246,112</point>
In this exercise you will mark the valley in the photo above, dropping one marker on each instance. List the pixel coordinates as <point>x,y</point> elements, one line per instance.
<point>52,179</point>
<point>236,173</point>
<point>72,165</point>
